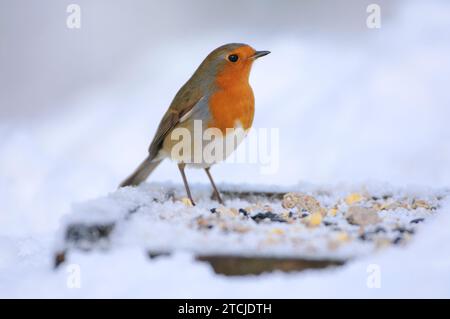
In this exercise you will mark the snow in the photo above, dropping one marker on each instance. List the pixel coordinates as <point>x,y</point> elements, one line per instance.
<point>414,272</point>
<point>376,111</point>
<point>148,217</point>
<point>122,269</point>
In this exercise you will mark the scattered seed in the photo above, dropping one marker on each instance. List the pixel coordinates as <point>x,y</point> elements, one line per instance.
<point>243,212</point>
<point>271,216</point>
<point>419,203</point>
<point>379,229</point>
<point>332,212</point>
<point>343,236</point>
<point>277,231</point>
<point>363,237</point>
<point>328,223</point>
<point>403,230</point>
<point>417,220</point>
<point>303,203</point>
<point>357,215</point>
<point>353,198</point>
<point>315,219</point>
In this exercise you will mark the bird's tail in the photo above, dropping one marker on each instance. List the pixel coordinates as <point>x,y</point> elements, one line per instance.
<point>141,173</point>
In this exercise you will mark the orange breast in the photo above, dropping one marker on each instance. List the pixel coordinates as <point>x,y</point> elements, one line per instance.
<point>232,106</point>
<point>233,103</point>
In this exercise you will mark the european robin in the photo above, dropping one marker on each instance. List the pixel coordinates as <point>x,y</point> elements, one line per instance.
<point>218,96</point>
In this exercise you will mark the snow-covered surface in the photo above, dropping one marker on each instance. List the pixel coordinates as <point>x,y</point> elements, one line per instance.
<point>155,218</point>
<point>376,109</point>
<point>419,269</point>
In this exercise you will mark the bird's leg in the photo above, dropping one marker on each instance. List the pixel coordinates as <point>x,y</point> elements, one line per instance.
<point>181,167</point>
<point>216,192</point>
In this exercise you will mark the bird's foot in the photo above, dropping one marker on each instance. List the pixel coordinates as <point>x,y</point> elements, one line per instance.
<point>216,196</point>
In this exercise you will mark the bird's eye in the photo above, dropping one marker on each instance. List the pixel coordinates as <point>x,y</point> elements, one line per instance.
<point>233,58</point>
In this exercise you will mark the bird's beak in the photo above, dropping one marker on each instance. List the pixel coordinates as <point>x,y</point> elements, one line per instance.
<point>259,54</point>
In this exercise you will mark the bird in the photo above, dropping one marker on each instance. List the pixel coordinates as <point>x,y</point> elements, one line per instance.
<point>218,97</point>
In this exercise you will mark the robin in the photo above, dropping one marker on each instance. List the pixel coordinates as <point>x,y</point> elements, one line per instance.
<point>219,97</point>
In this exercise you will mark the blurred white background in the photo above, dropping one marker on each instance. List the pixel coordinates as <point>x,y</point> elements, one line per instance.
<point>78,107</point>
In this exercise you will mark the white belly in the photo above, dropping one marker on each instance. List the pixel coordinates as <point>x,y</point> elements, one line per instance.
<point>204,147</point>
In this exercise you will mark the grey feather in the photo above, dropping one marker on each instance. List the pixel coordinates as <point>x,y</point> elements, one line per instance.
<point>141,173</point>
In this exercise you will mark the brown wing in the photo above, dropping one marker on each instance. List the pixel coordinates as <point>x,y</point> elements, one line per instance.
<point>183,102</point>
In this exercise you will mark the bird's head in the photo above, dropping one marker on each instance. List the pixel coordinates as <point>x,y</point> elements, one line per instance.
<point>230,63</point>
